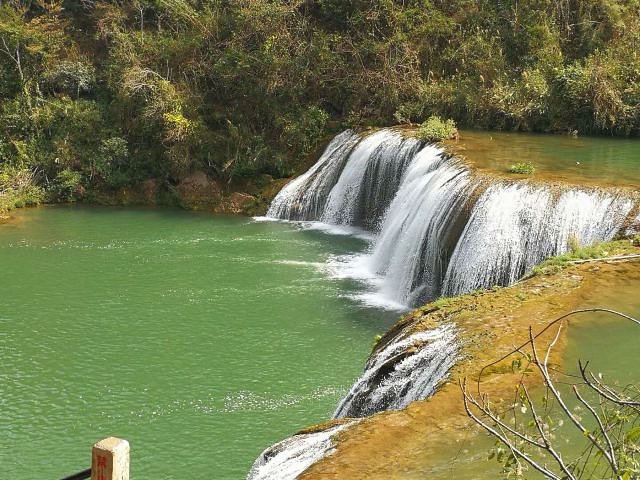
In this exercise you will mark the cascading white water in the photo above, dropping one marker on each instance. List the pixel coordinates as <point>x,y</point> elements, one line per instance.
<point>433,237</point>
<point>304,197</point>
<point>370,179</point>
<point>496,236</point>
<point>289,458</point>
<point>410,254</point>
<point>513,227</point>
<point>353,182</point>
<point>407,369</point>
<point>589,217</point>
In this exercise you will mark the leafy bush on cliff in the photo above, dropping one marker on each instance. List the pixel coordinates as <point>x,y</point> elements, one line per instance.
<point>434,129</point>
<point>67,185</point>
<point>18,188</point>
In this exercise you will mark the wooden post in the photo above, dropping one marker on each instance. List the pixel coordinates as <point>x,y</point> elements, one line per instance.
<point>110,460</point>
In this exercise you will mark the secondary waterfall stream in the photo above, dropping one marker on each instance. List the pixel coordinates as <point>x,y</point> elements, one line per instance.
<point>408,368</point>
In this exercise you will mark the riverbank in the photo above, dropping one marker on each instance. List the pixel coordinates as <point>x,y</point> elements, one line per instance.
<point>195,192</point>
<point>430,437</point>
<point>594,163</point>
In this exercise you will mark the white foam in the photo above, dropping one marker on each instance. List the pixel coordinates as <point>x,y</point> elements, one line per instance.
<point>291,457</point>
<point>407,369</point>
<point>429,236</point>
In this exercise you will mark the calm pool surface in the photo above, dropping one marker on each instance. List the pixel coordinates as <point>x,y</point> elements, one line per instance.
<point>200,339</point>
<point>583,160</point>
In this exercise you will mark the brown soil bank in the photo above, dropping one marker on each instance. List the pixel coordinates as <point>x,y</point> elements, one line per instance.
<point>426,439</point>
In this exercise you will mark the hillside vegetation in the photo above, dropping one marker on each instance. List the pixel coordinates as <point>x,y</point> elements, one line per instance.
<point>100,95</point>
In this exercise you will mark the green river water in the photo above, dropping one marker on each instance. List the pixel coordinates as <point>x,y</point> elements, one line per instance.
<point>200,339</point>
<point>204,339</point>
<point>598,161</point>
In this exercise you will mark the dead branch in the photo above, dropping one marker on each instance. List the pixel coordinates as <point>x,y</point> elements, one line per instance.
<point>607,442</point>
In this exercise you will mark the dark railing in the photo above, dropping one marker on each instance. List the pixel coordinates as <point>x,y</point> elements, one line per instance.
<point>80,475</point>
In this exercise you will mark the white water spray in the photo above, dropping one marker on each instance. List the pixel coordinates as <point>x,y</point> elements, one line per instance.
<point>435,231</point>
<point>407,369</point>
<point>289,458</point>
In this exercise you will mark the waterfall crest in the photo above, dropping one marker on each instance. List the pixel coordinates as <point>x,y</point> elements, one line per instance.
<point>352,183</point>
<point>304,197</point>
<point>439,229</point>
<point>370,179</point>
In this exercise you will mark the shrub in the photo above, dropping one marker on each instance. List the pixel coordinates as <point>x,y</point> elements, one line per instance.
<point>67,185</point>
<point>435,129</point>
<point>18,188</point>
<point>302,131</point>
<point>72,78</point>
<point>177,126</point>
<point>408,111</point>
<point>31,195</point>
<point>522,168</point>
<point>112,163</point>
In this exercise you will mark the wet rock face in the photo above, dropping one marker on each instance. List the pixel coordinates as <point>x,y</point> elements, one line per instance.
<point>149,191</point>
<point>199,192</point>
<point>236,203</point>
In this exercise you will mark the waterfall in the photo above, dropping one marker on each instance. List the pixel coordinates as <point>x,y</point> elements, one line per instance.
<point>289,458</point>
<point>439,228</point>
<point>513,227</point>
<point>411,253</point>
<point>406,369</point>
<point>370,179</point>
<point>352,183</point>
<point>304,197</point>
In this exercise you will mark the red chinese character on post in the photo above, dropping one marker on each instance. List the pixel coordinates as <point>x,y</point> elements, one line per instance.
<point>110,460</point>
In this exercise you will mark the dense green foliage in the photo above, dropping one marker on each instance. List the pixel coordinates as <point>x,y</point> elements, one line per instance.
<point>103,94</point>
